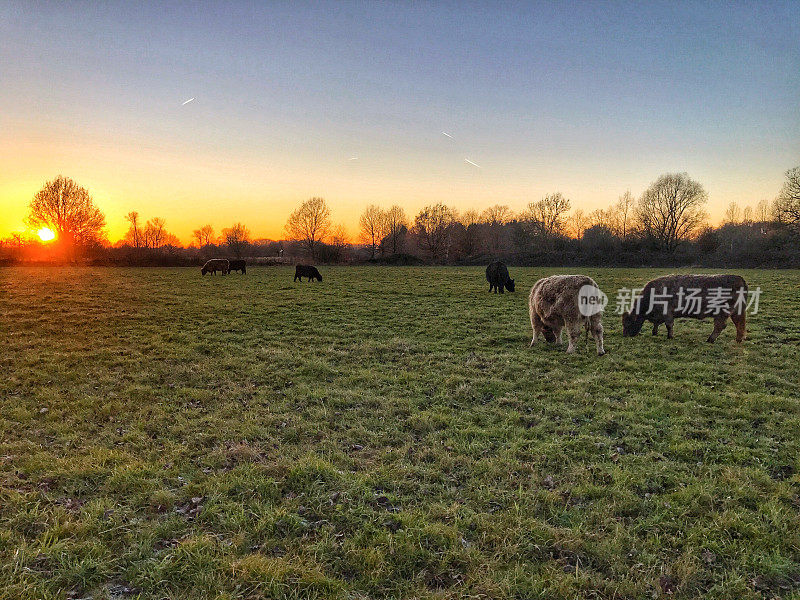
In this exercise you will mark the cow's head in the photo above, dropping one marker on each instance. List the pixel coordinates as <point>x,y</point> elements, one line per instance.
<point>510,285</point>
<point>631,324</point>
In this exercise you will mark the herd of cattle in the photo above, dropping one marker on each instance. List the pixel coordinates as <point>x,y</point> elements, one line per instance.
<point>554,303</point>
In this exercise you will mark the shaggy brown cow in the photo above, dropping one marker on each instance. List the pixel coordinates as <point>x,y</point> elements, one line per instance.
<point>689,296</point>
<point>554,304</point>
<point>214,265</point>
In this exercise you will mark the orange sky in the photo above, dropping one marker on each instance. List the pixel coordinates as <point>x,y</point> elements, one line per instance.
<point>189,188</point>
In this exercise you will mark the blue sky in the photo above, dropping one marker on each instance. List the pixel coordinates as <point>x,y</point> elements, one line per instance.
<point>588,98</point>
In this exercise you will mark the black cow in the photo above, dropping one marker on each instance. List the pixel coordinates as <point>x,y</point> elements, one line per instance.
<point>237,265</point>
<point>497,276</point>
<point>301,271</point>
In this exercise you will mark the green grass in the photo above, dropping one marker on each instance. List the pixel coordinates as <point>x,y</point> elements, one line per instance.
<point>386,433</point>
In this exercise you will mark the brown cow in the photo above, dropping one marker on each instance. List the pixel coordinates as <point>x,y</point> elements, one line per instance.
<point>554,304</point>
<point>689,296</point>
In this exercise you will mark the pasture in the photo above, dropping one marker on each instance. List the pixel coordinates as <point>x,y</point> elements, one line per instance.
<point>386,433</point>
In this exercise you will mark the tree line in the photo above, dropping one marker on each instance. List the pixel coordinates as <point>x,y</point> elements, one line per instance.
<point>666,224</point>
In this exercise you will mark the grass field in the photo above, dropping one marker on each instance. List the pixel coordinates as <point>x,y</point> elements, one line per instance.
<point>386,433</point>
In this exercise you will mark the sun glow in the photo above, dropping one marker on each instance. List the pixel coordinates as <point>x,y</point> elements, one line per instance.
<point>46,234</point>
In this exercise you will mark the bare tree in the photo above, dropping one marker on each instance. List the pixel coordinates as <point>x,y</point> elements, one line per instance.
<point>624,208</point>
<point>747,215</point>
<point>236,238</point>
<point>670,211</point>
<point>578,223</point>
<point>309,224</point>
<point>431,226</point>
<point>203,236</point>
<point>373,227</point>
<point>396,228</point>
<point>733,214</point>
<point>154,233</point>
<point>68,209</point>
<point>469,240</point>
<point>764,211</point>
<point>495,218</point>
<point>134,235</point>
<point>549,213</point>
<point>499,214</point>
<point>787,204</point>
<point>610,220</point>
<point>469,217</point>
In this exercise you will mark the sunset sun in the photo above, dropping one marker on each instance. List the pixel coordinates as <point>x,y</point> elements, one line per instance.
<point>46,234</point>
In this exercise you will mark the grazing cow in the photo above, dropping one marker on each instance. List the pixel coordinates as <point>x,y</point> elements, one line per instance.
<point>301,271</point>
<point>497,276</point>
<point>689,296</point>
<point>554,304</point>
<point>237,265</point>
<point>214,265</point>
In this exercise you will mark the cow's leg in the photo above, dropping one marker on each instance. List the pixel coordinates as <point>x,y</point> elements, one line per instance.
<point>740,322</point>
<point>596,326</point>
<point>655,328</point>
<point>720,321</point>
<point>669,324</point>
<point>574,332</point>
<point>538,327</point>
<point>502,288</point>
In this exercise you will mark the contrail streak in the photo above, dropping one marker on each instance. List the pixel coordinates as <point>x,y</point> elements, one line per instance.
<point>187,102</point>
<point>472,163</point>
<point>447,134</point>
<point>353,158</point>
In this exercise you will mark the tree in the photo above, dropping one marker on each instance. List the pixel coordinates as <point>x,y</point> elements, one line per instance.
<point>339,242</point>
<point>236,238</point>
<point>747,215</point>
<point>134,235</point>
<point>499,214</point>
<point>578,224</point>
<point>787,204</point>
<point>431,226</point>
<point>764,211</point>
<point>549,213</point>
<point>68,209</point>
<point>309,224</point>
<point>396,229</point>
<point>373,227</point>
<point>203,236</point>
<point>495,218</point>
<point>155,233</point>
<point>670,211</point>
<point>469,238</point>
<point>623,208</point>
<point>733,214</point>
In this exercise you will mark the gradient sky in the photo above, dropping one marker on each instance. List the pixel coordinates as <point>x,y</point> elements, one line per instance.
<point>589,99</point>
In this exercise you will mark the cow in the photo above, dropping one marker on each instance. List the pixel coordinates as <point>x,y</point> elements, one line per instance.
<point>301,271</point>
<point>214,265</point>
<point>554,303</point>
<point>498,278</point>
<point>237,265</point>
<point>664,299</point>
